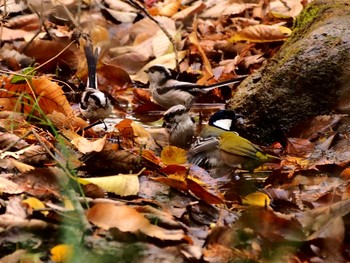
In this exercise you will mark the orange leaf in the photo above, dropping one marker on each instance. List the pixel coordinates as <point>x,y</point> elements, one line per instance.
<point>174,182</point>
<point>202,193</point>
<point>47,93</point>
<point>126,133</point>
<point>127,219</point>
<point>172,169</point>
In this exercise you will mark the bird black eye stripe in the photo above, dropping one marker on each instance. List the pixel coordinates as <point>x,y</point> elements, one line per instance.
<point>97,101</point>
<point>172,114</point>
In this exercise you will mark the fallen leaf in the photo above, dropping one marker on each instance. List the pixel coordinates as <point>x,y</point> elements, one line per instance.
<point>175,181</point>
<point>122,184</point>
<point>127,219</point>
<point>262,34</point>
<point>62,253</point>
<point>202,193</point>
<point>86,146</point>
<point>9,187</point>
<point>257,199</point>
<point>173,155</point>
<point>35,203</point>
<point>41,90</point>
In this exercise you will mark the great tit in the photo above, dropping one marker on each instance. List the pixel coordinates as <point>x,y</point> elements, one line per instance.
<point>204,152</point>
<point>94,104</point>
<point>238,152</point>
<point>167,91</point>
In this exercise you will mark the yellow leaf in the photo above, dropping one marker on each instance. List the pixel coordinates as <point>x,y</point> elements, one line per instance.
<point>122,184</point>
<point>68,204</point>
<point>87,146</point>
<point>262,33</point>
<point>61,253</point>
<point>257,199</point>
<point>35,203</point>
<point>173,155</point>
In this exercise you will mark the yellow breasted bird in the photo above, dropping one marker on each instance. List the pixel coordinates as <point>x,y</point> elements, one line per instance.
<point>238,152</point>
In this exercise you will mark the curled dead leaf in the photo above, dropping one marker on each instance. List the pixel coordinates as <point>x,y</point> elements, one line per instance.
<point>262,33</point>
<point>86,146</point>
<point>127,219</point>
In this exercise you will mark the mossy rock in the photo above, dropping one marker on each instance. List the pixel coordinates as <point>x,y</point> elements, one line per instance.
<point>309,75</point>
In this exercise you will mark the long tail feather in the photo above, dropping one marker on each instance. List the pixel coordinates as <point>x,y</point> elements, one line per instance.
<point>91,59</point>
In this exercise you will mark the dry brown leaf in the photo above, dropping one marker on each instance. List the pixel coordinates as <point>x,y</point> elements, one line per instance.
<point>287,9</point>
<point>113,76</point>
<point>62,121</point>
<point>9,187</point>
<point>10,119</point>
<point>7,139</point>
<point>262,33</point>
<point>127,219</point>
<point>225,7</point>
<point>189,11</point>
<point>86,146</point>
<point>31,154</point>
<point>69,58</point>
<point>47,93</point>
<point>22,167</point>
<point>8,34</point>
<point>299,147</point>
<point>142,137</point>
<point>42,181</point>
<point>110,161</point>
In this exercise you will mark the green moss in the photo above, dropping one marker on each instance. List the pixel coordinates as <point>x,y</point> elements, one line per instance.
<point>308,15</point>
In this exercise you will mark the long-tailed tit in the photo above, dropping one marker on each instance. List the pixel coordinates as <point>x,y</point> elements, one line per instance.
<point>179,126</point>
<point>168,92</point>
<point>94,104</point>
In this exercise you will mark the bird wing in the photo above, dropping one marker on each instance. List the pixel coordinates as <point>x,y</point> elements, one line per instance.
<point>237,145</point>
<point>173,84</point>
<point>204,152</point>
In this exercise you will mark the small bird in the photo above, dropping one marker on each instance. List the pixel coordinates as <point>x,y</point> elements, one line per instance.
<point>204,152</point>
<point>94,105</point>
<point>179,126</point>
<point>168,92</point>
<point>238,152</point>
